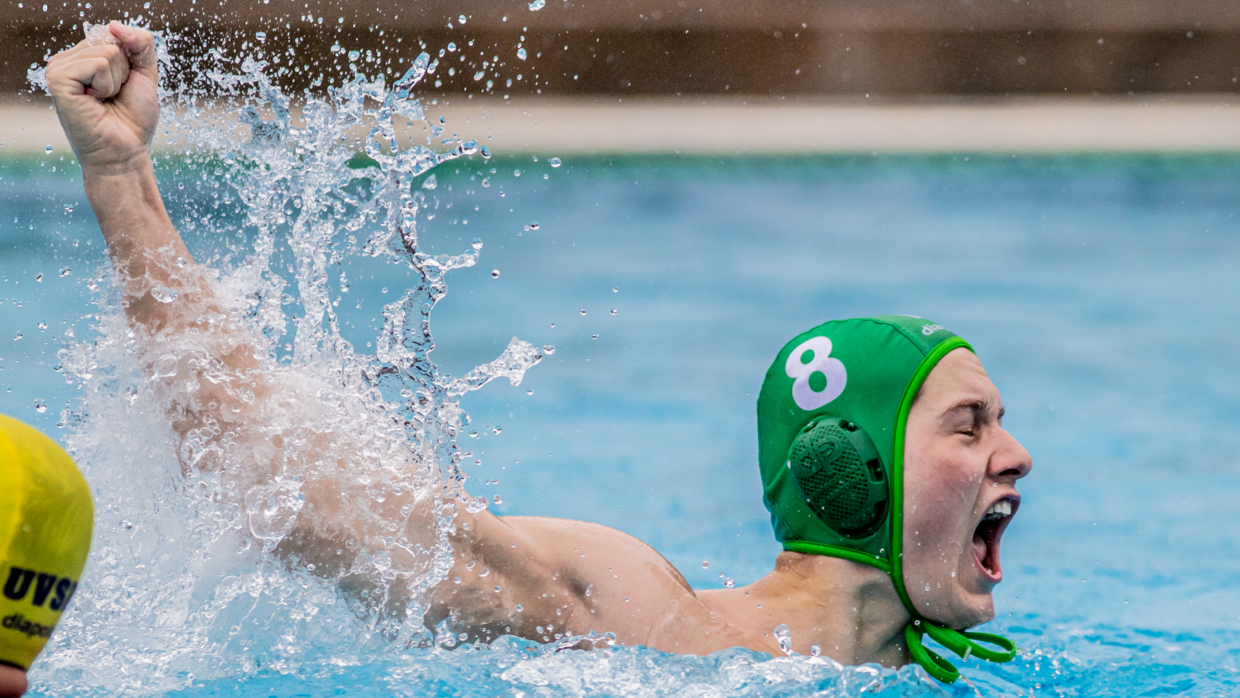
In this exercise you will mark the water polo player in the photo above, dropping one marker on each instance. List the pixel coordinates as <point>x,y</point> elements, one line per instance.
<point>885,465</point>
<point>46,518</point>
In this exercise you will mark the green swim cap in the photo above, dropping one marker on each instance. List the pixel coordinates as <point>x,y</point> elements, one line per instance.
<point>46,518</point>
<point>831,421</point>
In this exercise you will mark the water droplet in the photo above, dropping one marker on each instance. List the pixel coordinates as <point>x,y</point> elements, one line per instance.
<point>537,5</point>
<point>495,273</point>
<point>354,55</point>
<point>17,336</point>
<point>583,311</point>
<point>48,149</point>
<point>548,349</point>
<point>815,650</point>
<point>520,608</point>
<point>40,406</point>
<point>451,46</point>
<point>589,589</point>
<point>65,272</point>
<point>927,587</point>
<point>479,75</point>
<point>430,182</point>
<point>534,225</point>
<point>486,155</point>
<point>261,36</point>
<point>705,564</point>
<point>42,325</point>
<point>461,19</point>
<point>498,589</point>
<point>594,336</point>
<point>476,244</point>
<point>555,162</point>
<point>498,500</point>
<point>521,53</point>
<point>39,278</point>
<point>784,635</point>
<point>165,367</point>
<point>615,290</point>
<point>164,294</point>
<point>614,311</point>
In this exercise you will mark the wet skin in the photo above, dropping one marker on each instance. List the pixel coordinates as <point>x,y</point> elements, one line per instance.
<point>12,682</point>
<point>959,461</point>
<point>542,578</point>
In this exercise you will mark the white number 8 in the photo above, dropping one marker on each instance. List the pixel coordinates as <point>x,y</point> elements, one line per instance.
<point>801,367</point>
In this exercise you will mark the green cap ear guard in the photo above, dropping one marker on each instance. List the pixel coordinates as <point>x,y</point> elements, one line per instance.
<point>839,473</point>
<point>831,426</point>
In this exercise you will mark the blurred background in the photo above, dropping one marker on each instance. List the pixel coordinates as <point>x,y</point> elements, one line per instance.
<point>985,75</point>
<point>743,47</point>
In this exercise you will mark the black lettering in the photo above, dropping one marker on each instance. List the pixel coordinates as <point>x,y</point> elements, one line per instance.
<point>18,583</point>
<point>62,588</point>
<point>72,591</point>
<point>43,587</point>
<point>9,621</point>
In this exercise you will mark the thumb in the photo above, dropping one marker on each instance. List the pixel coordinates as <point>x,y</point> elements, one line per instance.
<point>139,46</point>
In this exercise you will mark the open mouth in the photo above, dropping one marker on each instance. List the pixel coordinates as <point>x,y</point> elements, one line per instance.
<point>987,535</point>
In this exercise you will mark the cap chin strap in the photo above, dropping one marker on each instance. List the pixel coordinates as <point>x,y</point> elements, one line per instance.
<point>962,643</point>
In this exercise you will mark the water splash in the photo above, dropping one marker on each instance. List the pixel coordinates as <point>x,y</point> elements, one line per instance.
<point>198,570</point>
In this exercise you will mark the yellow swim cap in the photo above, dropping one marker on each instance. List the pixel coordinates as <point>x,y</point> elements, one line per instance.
<point>46,518</point>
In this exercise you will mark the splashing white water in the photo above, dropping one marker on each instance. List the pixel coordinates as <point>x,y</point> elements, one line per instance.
<point>188,580</point>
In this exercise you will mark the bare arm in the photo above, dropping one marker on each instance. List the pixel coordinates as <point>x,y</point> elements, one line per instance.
<point>544,578</point>
<point>105,92</point>
<point>537,578</point>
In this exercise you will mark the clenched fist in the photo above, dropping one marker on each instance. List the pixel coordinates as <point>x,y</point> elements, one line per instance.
<point>106,95</point>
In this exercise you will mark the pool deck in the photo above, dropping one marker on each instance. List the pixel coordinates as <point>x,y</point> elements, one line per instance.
<point>716,125</point>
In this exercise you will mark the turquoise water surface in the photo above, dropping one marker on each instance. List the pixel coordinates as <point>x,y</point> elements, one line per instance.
<point>1100,292</point>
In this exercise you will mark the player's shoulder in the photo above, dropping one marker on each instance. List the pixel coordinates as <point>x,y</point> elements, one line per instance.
<point>589,544</point>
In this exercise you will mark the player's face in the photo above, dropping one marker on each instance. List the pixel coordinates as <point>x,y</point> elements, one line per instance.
<point>960,473</point>
<point>12,682</point>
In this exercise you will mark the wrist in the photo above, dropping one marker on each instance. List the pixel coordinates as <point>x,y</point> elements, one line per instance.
<point>123,167</point>
<point>125,198</point>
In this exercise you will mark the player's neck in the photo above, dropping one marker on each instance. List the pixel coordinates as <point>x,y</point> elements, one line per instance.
<point>849,610</point>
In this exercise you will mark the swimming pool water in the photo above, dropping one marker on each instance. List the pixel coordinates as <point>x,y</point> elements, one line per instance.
<point>1100,292</point>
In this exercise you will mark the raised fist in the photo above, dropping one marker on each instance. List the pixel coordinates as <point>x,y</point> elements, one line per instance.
<point>106,95</point>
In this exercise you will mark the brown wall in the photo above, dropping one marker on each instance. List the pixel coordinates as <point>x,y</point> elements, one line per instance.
<point>756,47</point>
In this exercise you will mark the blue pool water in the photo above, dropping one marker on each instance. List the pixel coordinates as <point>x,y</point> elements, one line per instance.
<point>1100,292</point>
